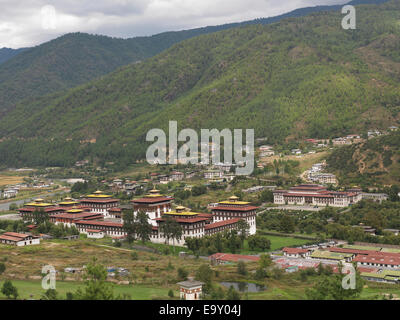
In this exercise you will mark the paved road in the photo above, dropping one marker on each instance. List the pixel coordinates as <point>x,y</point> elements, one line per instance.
<point>5,206</point>
<point>14,216</point>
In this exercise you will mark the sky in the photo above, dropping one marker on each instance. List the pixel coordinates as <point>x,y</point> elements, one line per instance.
<point>26,23</point>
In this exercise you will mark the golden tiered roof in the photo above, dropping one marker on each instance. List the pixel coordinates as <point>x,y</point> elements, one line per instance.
<point>39,203</point>
<point>98,194</point>
<point>234,200</point>
<point>74,209</point>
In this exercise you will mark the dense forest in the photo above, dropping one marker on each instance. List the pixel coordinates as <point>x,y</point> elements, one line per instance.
<point>76,58</point>
<point>300,77</point>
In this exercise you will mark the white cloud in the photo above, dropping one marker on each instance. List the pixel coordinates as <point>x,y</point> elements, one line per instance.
<point>30,22</point>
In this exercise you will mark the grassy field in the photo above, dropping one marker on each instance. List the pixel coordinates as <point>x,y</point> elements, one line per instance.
<point>34,290</point>
<point>10,179</point>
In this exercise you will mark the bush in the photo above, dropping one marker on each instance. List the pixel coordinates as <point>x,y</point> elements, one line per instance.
<point>170,293</point>
<point>134,255</point>
<point>241,268</point>
<point>182,274</point>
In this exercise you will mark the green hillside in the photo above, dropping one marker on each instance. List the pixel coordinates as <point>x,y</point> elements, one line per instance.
<point>301,77</point>
<point>77,58</point>
<point>376,161</point>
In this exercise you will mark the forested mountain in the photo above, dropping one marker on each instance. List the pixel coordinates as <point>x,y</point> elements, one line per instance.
<point>8,53</point>
<point>300,77</point>
<point>77,58</point>
<point>374,161</point>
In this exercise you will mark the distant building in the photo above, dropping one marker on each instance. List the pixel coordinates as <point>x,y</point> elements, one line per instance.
<point>377,197</point>
<point>315,195</point>
<point>190,289</point>
<point>177,176</point>
<point>100,202</point>
<point>212,174</point>
<point>95,234</point>
<point>18,239</point>
<point>296,252</point>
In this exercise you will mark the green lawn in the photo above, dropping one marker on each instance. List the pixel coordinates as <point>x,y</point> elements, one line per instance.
<point>137,292</point>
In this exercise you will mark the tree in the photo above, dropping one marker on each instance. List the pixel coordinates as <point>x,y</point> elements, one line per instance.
<point>243,228</point>
<point>171,229</point>
<point>241,268</point>
<point>287,224</point>
<point>2,267</point>
<point>129,225</point>
<point>182,274</point>
<point>96,287</point>
<point>205,274</point>
<point>265,261</point>
<point>232,294</point>
<point>9,290</point>
<point>40,216</point>
<point>50,294</point>
<point>266,196</point>
<point>142,226</point>
<point>330,288</point>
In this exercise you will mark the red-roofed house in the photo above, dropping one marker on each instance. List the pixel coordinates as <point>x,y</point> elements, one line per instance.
<point>18,239</point>
<point>218,258</point>
<point>296,252</point>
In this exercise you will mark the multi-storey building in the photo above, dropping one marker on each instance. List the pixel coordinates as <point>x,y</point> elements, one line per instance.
<point>100,203</point>
<point>154,204</point>
<point>29,211</point>
<point>316,195</point>
<point>233,209</point>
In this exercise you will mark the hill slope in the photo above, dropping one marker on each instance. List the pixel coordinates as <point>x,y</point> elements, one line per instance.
<point>8,53</point>
<point>77,58</point>
<point>376,161</point>
<point>302,77</point>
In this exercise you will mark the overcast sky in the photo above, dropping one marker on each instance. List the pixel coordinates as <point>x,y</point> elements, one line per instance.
<point>31,22</point>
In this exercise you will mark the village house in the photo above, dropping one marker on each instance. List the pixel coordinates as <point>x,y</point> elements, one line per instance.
<point>213,174</point>
<point>296,252</point>
<point>190,289</point>
<point>177,176</point>
<point>18,239</point>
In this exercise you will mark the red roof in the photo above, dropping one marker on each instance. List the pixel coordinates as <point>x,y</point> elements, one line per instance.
<point>184,220</point>
<point>115,209</point>
<point>86,200</point>
<point>221,223</point>
<point>152,199</point>
<point>233,257</point>
<point>93,230</point>
<point>365,252</point>
<point>234,208</point>
<point>100,223</point>
<point>378,259</point>
<point>81,215</point>
<point>317,195</point>
<point>294,250</point>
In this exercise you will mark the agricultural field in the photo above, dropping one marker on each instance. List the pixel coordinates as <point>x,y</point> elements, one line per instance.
<point>10,179</point>
<point>30,289</point>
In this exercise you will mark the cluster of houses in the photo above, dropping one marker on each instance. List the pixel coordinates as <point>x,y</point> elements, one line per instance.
<point>266,151</point>
<point>10,192</point>
<point>375,263</point>
<point>99,214</point>
<point>316,175</point>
